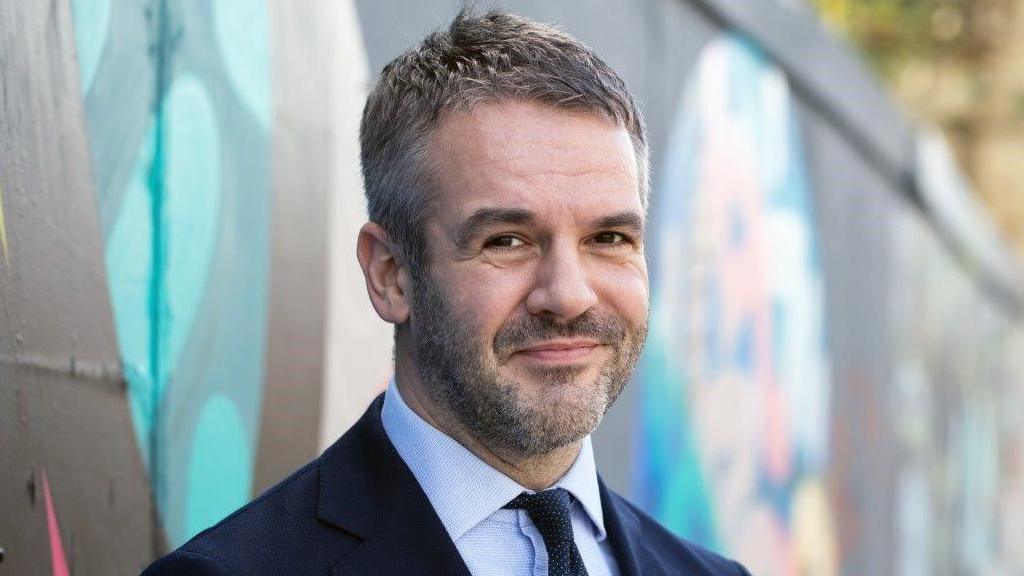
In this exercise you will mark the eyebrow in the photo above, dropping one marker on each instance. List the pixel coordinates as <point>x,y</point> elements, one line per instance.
<point>628,220</point>
<point>485,217</point>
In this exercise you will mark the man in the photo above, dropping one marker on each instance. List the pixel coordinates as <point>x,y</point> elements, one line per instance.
<point>506,177</point>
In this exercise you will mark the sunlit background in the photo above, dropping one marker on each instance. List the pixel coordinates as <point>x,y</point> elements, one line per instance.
<point>834,375</point>
<point>959,65</point>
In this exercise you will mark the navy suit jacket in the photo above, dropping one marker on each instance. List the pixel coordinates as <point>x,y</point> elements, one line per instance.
<point>357,509</point>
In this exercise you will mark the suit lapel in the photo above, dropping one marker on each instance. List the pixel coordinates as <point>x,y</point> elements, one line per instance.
<point>368,491</point>
<point>634,557</point>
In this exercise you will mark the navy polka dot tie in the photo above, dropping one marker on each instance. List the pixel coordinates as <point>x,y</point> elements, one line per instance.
<point>549,511</point>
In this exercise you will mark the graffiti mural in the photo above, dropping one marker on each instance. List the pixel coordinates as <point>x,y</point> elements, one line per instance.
<point>180,149</point>
<point>958,475</point>
<point>735,381</point>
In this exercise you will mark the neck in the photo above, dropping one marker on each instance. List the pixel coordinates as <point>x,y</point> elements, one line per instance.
<point>535,472</point>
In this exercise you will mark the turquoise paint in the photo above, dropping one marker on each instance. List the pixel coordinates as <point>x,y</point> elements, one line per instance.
<point>129,272</point>
<point>670,482</point>
<point>92,22</point>
<point>191,209</point>
<point>242,27</point>
<point>220,467</point>
<point>155,183</point>
<point>160,250</point>
<point>192,227</point>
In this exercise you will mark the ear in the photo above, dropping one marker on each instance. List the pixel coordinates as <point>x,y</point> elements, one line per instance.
<point>387,281</point>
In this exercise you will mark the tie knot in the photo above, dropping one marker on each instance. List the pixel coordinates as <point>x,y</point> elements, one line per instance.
<point>548,500</point>
<point>550,513</point>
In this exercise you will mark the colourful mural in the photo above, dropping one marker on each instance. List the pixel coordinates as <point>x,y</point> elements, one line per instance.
<point>733,440</point>
<point>177,98</point>
<point>959,472</point>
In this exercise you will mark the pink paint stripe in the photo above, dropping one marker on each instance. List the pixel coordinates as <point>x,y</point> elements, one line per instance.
<point>60,563</point>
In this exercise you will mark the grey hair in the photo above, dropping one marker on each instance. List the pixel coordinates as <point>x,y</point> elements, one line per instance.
<point>479,59</point>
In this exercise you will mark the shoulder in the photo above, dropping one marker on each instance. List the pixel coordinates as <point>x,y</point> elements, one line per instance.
<point>278,529</point>
<point>673,551</point>
<point>186,563</point>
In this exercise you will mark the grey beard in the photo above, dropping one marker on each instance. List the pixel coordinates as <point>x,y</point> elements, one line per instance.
<point>456,377</point>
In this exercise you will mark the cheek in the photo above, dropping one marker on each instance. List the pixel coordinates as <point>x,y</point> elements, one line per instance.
<point>487,298</point>
<point>625,290</point>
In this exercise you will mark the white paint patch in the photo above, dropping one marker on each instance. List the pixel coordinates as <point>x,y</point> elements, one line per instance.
<point>357,355</point>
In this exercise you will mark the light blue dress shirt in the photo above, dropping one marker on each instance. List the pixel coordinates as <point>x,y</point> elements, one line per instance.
<point>468,495</point>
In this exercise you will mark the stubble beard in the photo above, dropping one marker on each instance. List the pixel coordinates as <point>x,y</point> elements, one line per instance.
<point>459,377</point>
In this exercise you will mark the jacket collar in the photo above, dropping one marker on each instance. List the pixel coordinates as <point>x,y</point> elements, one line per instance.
<point>367,491</point>
<point>623,528</point>
<point>463,489</point>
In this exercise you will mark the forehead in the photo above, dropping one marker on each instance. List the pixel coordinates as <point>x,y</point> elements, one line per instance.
<point>533,156</point>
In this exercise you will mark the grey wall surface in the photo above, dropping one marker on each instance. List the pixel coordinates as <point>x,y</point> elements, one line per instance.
<point>66,439</point>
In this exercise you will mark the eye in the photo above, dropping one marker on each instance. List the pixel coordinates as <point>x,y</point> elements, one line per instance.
<point>504,242</point>
<point>611,238</point>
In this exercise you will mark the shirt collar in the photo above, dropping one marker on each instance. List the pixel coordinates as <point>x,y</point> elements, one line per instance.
<point>463,489</point>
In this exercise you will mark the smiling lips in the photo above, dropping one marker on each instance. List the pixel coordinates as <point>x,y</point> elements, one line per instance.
<point>559,351</point>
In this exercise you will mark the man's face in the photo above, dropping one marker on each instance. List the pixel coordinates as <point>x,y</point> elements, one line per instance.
<point>533,310</point>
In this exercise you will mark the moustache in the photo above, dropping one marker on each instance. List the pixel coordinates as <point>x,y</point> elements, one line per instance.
<point>524,331</point>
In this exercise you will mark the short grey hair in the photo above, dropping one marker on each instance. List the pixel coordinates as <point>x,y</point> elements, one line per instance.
<point>479,59</point>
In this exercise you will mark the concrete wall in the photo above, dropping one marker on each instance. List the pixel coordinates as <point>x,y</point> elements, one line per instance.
<point>73,486</point>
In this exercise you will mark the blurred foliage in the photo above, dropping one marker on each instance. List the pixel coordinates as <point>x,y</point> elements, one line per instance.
<point>891,32</point>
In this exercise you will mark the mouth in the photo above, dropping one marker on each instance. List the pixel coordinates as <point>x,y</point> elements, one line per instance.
<point>559,351</point>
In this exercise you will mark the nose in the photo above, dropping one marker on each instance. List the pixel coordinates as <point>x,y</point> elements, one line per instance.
<point>562,286</point>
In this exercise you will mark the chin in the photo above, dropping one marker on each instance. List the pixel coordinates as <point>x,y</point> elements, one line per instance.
<point>565,404</point>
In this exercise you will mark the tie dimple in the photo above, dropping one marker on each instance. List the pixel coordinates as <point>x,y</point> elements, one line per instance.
<point>549,511</point>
